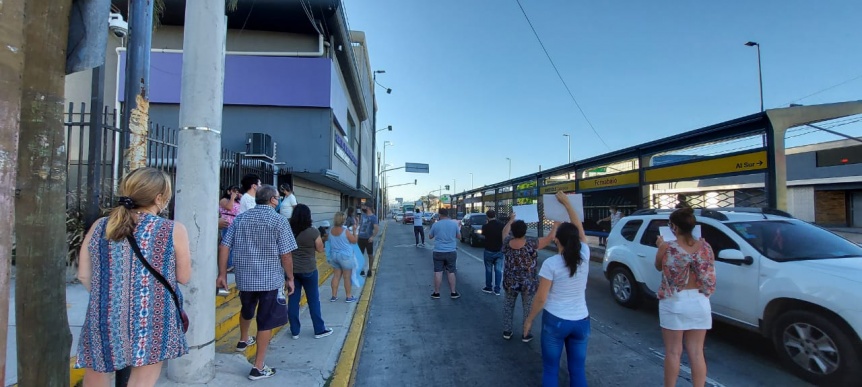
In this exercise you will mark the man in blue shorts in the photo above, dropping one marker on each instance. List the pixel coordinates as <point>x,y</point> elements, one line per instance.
<point>445,232</point>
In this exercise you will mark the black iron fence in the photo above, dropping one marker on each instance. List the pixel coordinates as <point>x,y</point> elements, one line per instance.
<point>95,160</point>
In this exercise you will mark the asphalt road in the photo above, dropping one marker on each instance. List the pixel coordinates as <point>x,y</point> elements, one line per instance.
<point>413,340</point>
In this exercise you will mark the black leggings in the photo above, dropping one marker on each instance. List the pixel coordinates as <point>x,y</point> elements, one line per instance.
<point>417,231</point>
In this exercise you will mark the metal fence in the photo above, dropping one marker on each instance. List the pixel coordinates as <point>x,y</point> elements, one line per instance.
<point>95,160</point>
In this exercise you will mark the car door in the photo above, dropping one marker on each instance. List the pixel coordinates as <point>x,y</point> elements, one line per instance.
<point>646,251</point>
<point>737,283</point>
<point>465,227</point>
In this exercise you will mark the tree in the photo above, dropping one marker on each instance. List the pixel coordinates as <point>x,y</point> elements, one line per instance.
<point>43,335</point>
<point>11,66</point>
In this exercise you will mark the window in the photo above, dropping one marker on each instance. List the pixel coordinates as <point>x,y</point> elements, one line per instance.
<point>793,240</point>
<point>651,233</point>
<point>630,229</point>
<point>717,239</point>
<point>840,156</point>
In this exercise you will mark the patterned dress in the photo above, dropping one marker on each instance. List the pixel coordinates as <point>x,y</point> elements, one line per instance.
<point>679,265</point>
<point>520,272</point>
<point>131,318</point>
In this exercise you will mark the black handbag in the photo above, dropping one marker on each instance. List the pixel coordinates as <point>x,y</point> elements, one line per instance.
<point>183,316</point>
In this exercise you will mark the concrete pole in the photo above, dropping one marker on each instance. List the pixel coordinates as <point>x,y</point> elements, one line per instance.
<point>136,108</point>
<point>201,102</point>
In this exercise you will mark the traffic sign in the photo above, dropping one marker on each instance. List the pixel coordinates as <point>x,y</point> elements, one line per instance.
<point>416,167</point>
<point>738,164</point>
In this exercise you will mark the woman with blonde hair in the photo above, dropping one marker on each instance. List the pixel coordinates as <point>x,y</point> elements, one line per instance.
<point>131,262</point>
<point>341,243</point>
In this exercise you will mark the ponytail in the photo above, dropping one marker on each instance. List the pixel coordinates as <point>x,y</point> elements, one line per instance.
<point>140,189</point>
<point>121,222</point>
<point>569,236</point>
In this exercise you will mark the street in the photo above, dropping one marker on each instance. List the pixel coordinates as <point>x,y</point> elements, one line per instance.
<point>413,340</point>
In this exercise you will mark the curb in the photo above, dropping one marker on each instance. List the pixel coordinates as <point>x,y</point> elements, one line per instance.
<point>345,368</point>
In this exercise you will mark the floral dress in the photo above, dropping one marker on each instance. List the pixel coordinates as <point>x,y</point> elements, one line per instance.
<point>679,265</point>
<point>520,270</point>
<point>131,318</point>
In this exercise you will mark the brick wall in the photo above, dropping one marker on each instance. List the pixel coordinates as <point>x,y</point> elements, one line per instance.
<point>830,208</point>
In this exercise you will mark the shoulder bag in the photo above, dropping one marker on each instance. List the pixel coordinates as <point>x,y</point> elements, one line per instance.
<point>183,316</point>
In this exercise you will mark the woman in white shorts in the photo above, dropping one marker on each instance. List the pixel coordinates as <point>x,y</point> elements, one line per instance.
<point>687,268</point>
<point>341,242</point>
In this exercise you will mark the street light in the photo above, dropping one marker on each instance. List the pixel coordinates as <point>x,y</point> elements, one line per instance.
<point>759,70</point>
<point>471,181</point>
<point>510,167</point>
<point>568,146</point>
<point>374,76</point>
<point>389,128</point>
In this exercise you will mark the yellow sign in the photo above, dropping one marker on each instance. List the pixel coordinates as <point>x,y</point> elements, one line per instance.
<point>746,162</point>
<point>608,181</point>
<point>565,187</point>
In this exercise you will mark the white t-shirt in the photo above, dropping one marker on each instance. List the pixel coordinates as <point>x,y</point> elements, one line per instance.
<point>417,218</point>
<point>246,202</point>
<point>287,205</point>
<point>567,297</point>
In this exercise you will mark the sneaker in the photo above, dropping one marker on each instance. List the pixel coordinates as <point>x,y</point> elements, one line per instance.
<point>527,338</point>
<point>295,337</point>
<point>435,296</point>
<point>368,275</point>
<point>333,299</point>
<point>487,290</point>
<point>362,273</point>
<point>496,292</point>
<point>242,345</point>
<point>507,335</point>
<point>325,333</point>
<point>257,374</point>
<point>455,295</point>
<point>350,299</point>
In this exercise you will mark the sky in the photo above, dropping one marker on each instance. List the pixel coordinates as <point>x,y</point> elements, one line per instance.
<point>472,87</point>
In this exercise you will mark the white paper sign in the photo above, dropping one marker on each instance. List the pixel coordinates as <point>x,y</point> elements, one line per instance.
<point>554,210</point>
<point>528,213</point>
<point>668,235</point>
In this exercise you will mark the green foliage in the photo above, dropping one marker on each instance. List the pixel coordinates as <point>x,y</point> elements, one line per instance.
<point>75,232</point>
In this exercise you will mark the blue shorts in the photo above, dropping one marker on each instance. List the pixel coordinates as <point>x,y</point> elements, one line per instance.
<point>270,313</point>
<point>341,261</point>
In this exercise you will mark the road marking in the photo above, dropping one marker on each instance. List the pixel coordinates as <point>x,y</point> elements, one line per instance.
<point>684,368</point>
<point>474,257</point>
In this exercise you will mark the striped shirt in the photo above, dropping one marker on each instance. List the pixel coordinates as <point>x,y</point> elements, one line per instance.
<point>257,239</point>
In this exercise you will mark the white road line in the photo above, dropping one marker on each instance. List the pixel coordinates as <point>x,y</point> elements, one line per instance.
<point>474,257</point>
<point>684,368</point>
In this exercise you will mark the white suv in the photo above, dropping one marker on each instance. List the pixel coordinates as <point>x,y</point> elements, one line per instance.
<point>795,283</point>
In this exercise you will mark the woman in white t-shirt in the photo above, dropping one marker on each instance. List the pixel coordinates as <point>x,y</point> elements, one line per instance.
<point>561,294</point>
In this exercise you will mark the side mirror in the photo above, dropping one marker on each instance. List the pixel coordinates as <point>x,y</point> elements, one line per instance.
<point>735,256</point>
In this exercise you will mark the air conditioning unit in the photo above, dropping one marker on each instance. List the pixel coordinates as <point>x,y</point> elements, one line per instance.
<point>259,145</point>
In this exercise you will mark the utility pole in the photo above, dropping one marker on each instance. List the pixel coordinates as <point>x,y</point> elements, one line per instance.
<point>201,102</point>
<point>136,105</point>
<point>11,67</point>
<point>43,336</point>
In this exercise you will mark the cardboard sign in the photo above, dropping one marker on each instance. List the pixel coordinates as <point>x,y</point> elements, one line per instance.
<point>528,213</point>
<point>668,235</point>
<point>554,210</point>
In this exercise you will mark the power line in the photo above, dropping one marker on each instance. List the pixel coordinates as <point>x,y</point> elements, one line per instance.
<point>826,89</point>
<point>575,100</point>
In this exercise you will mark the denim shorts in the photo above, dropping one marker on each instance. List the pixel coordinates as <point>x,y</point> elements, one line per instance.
<point>341,261</point>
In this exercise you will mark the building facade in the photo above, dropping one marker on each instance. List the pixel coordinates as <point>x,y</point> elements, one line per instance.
<point>298,94</point>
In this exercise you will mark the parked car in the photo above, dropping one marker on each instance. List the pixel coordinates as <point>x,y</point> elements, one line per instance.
<point>795,283</point>
<point>471,229</point>
<point>408,218</point>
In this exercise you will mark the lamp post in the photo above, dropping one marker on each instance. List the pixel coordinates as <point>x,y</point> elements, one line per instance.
<point>568,146</point>
<point>471,181</point>
<point>389,128</point>
<point>759,70</point>
<point>374,76</point>
<point>385,181</point>
<point>510,167</point>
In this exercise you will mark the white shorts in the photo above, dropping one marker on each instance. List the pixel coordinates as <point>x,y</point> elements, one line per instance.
<point>685,310</point>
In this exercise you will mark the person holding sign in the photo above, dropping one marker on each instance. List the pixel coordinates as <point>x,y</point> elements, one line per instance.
<point>562,300</point>
<point>687,268</point>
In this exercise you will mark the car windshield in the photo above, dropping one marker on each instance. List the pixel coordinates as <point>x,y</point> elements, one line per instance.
<point>478,219</point>
<point>792,240</point>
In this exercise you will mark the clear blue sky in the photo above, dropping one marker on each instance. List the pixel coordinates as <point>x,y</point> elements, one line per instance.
<point>471,85</point>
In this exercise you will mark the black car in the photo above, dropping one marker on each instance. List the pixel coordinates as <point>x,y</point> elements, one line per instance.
<point>471,229</point>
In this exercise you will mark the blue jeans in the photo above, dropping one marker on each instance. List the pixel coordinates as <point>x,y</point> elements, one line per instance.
<point>309,282</point>
<point>574,335</point>
<point>494,263</point>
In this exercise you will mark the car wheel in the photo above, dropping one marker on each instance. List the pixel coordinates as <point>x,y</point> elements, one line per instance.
<point>816,349</point>
<point>624,288</point>
<point>462,238</point>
